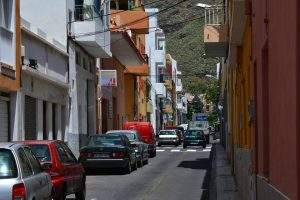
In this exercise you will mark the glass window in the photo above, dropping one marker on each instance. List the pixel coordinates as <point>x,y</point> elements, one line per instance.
<point>71,157</point>
<point>24,162</point>
<point>106,140</point>
<point>5,13</point>
<point>42,152</point>
<point>78,58</point>
<point>64,155</point>
<point>33,161</point>
<point>8,167</point>
<point>160,44</point>
<point>167,133</point>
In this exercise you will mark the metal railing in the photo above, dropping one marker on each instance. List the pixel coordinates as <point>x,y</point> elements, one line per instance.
<point>86,12</point>
<point>214,15</point>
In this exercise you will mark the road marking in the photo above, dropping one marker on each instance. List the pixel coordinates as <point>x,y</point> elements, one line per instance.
<point>160,150</point>
<point>191,150</point>
<point>207,150</point>
<point>175,150</point>
<point>209,147</point>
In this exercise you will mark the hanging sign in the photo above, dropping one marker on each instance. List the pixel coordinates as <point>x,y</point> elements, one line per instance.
<point>108,78</point>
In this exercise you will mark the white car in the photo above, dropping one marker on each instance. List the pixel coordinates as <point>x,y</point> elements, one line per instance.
<point>168,137</point>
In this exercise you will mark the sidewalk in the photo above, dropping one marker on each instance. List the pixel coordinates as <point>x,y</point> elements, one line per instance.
<point>222,186</point>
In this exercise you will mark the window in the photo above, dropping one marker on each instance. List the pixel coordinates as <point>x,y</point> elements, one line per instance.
<point>24,162</point>
<point>70,154</point>
<point>84,63</point>
<point>160,43</point>
<point>5,13</point>
<point>33,161</point>
<point>8,167</point>
<point>78,58</point>
<point>41,152</point>
<point>64,153</point>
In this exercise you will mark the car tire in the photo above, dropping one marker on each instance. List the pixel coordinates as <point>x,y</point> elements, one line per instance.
<point>184,146</point>
<point>80,195</point>
<point>204,146</point>
<point>128,169</point>
<point>135,165</point>
<point>158,144</point>
<point>141,163</point>
<point>146,162</point>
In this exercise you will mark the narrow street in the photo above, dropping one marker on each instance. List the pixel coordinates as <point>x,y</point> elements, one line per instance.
<point>175,173</point>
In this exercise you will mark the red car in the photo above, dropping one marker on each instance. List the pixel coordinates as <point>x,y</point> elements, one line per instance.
<point>67,174</point>
<point>145,130</point>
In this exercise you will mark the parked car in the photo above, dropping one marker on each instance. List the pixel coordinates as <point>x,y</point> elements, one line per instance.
<point>194,137</point>
<point>67,174</point>
<point>21,175</point>
<point>108,152</point>
<point>179,131</point>
<point>168,137</point>
<point>145,130</point>
<point>141,148</point>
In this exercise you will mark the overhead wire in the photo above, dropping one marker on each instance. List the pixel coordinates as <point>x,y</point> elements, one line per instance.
<point>130,23</point>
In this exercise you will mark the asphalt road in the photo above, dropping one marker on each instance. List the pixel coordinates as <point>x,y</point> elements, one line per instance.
<point>175,173</point>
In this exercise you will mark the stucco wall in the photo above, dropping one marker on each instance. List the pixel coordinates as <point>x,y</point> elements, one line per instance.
<point>277,96</point>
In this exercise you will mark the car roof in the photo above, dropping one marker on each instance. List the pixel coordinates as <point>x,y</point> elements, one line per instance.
<point>122,131</point>
<point>28,142</point>
<point>9,145</point>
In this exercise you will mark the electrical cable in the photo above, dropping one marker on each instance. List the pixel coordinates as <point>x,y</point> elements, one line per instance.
<point>131,23</point>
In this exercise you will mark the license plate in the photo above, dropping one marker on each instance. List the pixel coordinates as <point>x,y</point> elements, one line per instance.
<point>101,155</point>
<point>194,143</point>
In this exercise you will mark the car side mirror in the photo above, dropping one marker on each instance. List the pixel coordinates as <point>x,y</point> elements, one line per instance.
<point>46,166</point>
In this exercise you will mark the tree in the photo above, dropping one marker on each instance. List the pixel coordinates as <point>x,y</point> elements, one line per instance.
<point>196,106</point>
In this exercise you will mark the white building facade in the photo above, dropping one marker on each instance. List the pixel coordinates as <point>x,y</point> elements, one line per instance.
<point>89,42</point>
<point>41,104</point>
<point>155,43</point>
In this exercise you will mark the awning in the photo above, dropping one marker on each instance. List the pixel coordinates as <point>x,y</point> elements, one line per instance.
<point>124,49</point>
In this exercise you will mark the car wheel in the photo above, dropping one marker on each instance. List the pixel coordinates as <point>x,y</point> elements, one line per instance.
<point>153,153</point>
<point>204,146</point>
<point>80,195</point>
<point>158,144</point>
<point>184,146</point>
<point>135,165</point>
<point>141,163</point>
<point>146,162</point>
<point>128,168</point>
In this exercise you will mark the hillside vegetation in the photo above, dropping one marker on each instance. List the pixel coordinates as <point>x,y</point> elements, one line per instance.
<point>183,26</point>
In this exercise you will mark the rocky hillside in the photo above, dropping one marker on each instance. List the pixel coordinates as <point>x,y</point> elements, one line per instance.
<point>183,25</point>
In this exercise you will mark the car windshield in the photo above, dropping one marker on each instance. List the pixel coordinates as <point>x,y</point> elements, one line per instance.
<point>194,133</point>
<point>41,151</point>
<point>131,136</point>
<point>8,167</point>
<point>105,140</point>
<point>167,133</point>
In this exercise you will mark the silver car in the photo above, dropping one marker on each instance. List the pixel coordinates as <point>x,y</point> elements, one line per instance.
<point>21,176</point>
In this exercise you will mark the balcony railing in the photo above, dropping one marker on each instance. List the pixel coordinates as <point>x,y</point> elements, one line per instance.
<point>86,12</point>
<point>214,15</point>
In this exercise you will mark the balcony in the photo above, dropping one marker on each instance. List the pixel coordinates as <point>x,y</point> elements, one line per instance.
<point>88,21</point>
<point>134,20</point>
<point>215,32</point>
<point>168,84</point>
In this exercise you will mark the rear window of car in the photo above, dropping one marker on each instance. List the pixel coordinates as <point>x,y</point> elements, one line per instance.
<point>194,133</point>
<point>167,133</point>
<point>41,152</point>
<point>105,140</point>
<point>8,167</point>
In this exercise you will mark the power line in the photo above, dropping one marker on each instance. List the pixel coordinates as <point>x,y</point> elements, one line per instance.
<point>121,11</point>
<point>131,23</point>
<point>180,22</point>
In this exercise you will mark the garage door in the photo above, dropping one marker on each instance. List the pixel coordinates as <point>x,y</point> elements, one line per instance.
<point>3,121</point>
<point>30,118</point>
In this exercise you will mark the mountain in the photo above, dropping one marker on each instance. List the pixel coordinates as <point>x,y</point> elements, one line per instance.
<point>183,26</point>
